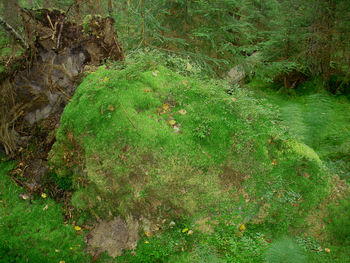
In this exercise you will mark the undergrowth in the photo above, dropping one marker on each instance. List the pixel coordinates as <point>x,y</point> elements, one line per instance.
<point>33,230</point>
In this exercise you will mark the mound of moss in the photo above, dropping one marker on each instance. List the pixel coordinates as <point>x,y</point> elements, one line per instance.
<point>145,141</point>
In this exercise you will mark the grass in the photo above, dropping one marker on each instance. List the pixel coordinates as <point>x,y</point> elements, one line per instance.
<point>34,231</point>
<point>319,120</point>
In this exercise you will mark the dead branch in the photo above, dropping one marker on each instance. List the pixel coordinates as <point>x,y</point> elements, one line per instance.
<point>14,33</point>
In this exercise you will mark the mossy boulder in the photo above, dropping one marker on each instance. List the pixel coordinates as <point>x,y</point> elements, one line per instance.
<point>151,143</point>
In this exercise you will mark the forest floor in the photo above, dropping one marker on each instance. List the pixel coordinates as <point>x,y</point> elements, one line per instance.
<point>207,172</point>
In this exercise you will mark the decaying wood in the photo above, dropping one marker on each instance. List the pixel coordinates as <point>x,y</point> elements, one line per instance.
<point>59,51</point>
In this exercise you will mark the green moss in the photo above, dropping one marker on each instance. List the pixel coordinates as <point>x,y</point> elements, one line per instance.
<point>34,231</point>
<point>150,142</point>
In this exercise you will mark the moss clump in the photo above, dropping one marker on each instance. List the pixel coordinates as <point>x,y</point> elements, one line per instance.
<point>151,142</point>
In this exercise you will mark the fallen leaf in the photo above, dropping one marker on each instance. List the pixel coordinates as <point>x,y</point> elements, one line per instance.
<point>184,230</point>
<point>148,234</point>
<point>77,228</point>
<point>62,261</point>
<point>24,196</point>
<point>165,106</point>
<point>146,242</point>
<point>242,227</point>
<point>190,232</point>
<point>43,195</point>
<point>45,207</point>
<point>56,250</point>
<point>183,112</point>
<point>147,90</point>
<point>99,198</point>
<point>274,162</point>
<point>306,175</point>
<point>172,122</point>
<point>327,250</point>
<point>269,141</point>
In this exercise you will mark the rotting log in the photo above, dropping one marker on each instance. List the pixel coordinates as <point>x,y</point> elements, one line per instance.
<point>44,80</point>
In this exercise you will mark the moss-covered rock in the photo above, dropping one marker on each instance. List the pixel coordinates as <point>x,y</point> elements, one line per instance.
<point>149,142</point>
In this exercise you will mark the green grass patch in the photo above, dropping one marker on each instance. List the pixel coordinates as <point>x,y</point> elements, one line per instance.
<point>34,230</point>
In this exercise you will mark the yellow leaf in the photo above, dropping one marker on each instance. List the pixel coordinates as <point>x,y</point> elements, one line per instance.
<point>71,248</point>
<point>77,228</point>
<point>146,242</point>
<point>242,227</point>
<point>56,250</point>
<point>165,106</point>
<point>184,230</point>
<point>62,261</point>
<point>183,112</point>
<point>172,122</point>
<point>43,195</point>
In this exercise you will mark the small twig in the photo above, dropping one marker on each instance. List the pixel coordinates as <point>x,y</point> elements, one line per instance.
<point>204,151</point>
<point>49,19</point>
<point>8,61</point>
<point>14,33</point>
<point>63,92</point>
<point>59,36</point>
